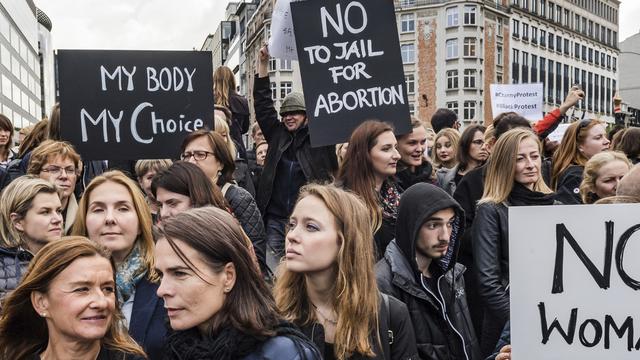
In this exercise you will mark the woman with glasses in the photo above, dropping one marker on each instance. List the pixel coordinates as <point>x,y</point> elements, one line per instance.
<point>581,141</point>
<point>208,150</point>
<point>59,163</point>
<point>471,154</point>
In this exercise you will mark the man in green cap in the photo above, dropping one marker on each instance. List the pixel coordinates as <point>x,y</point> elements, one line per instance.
<point>291,161</point>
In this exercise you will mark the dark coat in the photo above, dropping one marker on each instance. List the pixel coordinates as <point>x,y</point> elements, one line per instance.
<point>568,187</point>
<point>467,194</point>
<point>396,319</point>
<point>13,264</point>
<point>440,317</point>
<point>317,164</point>
<point>280,348</point>
<point>148,325</point>
<point>505,339</point>
<point>240,120</point>
<point>405,177</point>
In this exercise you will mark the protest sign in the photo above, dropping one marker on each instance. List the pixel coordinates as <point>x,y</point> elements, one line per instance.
<point>123,105</point>
<point>351,66</point>
<point>574,277</point>
<point>282,43</point>
<point>523,99</point>
<point>558,133</point>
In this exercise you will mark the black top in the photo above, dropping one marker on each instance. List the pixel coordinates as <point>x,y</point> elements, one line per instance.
<point>329,353</point>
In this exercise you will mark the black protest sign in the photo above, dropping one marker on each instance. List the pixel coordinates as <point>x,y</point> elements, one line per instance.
<point>351,66</point>
<point>126,105</point>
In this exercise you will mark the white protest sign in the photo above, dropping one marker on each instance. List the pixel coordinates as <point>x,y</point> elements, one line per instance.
<point>574,276</point>
<point>558,133</point>
<point>523,99</point>
<point>282,43</point>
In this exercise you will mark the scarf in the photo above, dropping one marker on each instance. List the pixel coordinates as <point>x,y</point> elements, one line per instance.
<point>521,196</point>
<point>390,200</point>
<point>129,273</point>
<point>228,344</point>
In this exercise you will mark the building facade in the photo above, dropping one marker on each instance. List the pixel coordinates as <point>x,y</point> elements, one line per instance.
<point>20,95</point>
<point>46,58</point>
<point>629,60</point>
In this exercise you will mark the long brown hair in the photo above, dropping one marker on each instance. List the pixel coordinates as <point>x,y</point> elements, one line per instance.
<point>219,239</point>
<point>23,332</point>
<point>355,293</point>
<point>568,153</point>
<point>5,124</point>
<point>356,172</point>
<point>145,239</point>
<point>223,84</point>
<point>35,137</point>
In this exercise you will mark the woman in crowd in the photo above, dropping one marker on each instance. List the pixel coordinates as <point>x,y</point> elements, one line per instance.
<point>224,91</point>
<point>209,152</point>
<point>66,307</point>
<point>630,144</point>
<point>445,148</point>
<point>145,171</point>
<point>601,175</point>
<point>30,217</point>
<point>184,186</point>
<point>470,155</point>
<point>113,213</point>
<point>368,170</point>
<point>241,174</point>
<point>218,305</point>
<point>580,142</point>
<point>59,163</point>
<point>327,285</point>
<point>412,167</point>
<point>513,178</point>
<point>6,140</point>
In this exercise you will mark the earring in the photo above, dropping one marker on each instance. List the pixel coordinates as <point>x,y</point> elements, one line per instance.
<point>227,290</point>
<point>43,314</point>
<point>219,173</point>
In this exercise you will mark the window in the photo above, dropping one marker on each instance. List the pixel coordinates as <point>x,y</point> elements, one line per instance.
<point>534,34</point>
<point>5,56</point>
<point>567,47</point>
<point>567,18</point>
<point>453,106</point>
<point>576,51</point>
<point>543,8</point>
<point>543,74</point>
<point>559,43</point>
<point>614,66</point>
<point>596,58</point>
<point>452,48</point>
<point>274,91</point>
<point>285,88</point>
<point>534,68</point>
<point>405,3</point>
<point>516,28</point>
<point>499,28</point>
<point>525,67</point>
<point>285,64</point>
<point>584,52</point>
<point>543,38</point>
<point>550,81</point>
<point>469,110</point>
<point>602,59</point>
<point>498,78</point>
<point>410,81</point>
<point>273,63</point>
<point>608,61</point>
<point>452,17</point>
<point>469,47</point>
<point>551,11</point>
<point>469,15</point>
<point>590,56</point>
<point>551,41</point>
<point>525,31</point>
<point>516,66</point>
<point>499,55</point>
<point>408,22</point>
<point>408,52</point>
<point>470,78</point>
<point>452,79</point>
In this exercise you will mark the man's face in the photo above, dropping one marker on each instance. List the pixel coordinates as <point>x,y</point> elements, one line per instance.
<point>294,120</point>
<point>435,233</point>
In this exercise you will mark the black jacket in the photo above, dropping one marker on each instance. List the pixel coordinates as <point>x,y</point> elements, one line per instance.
<point>148,319</point>
<point>405,177</point>
<point>568,187</point>
<point>393,319</point>
<point>13,264</point>
<point>240,120</point>
<point>317,164</point>
<point>438,336</point>
<point>467,194</point>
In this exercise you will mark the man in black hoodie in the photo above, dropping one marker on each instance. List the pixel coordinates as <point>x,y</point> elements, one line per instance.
<point>420,269</point>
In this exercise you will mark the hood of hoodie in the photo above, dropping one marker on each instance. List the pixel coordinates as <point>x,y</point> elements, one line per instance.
<point>417,204</point>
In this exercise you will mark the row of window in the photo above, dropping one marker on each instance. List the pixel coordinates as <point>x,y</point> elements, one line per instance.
<point>285,65</point>
<point>557,78</point>
<point>469,79</point>
<point>468,108</point>
<point>599,8</point>
<point>285,88</point>
<point>578,23</point>
<point>21,47</point>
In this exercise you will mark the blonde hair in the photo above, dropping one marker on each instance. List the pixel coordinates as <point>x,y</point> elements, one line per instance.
<point>592,169</point>
<point>144,166</point>
<point>17,198</point>
<point>222,127</point>
<point>454,137</point>
<point>355,292</point>
<point>49,150</point>
<point>501,167</point>
<point>223,84</point>
<point>145,239</point>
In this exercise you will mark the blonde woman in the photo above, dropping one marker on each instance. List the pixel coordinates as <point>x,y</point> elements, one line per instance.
<point>513,178</point>
<point>241,173</point>
<point>327,286</point>
<point>602,174</point>
<point>225,95</point>
<point>445,148</point>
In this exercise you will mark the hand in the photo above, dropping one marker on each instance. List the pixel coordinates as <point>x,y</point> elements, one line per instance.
<point>575,94</point>
<point>505,353</point>
<point>263,61</point>
<point>264,54</point>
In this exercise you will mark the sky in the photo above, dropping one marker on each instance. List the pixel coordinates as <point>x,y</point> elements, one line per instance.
<point>171,24</point>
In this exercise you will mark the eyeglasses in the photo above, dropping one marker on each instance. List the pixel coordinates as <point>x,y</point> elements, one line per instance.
<point>198,155</point>
<point>57,170</point>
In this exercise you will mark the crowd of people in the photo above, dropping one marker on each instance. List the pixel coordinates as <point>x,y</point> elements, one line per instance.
<point>389,247</point>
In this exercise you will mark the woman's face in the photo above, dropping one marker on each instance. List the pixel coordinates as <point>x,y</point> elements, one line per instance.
<point>171,203</point>
<point>595,142</point>
<point>477,150</point>
<point>384,155</point>
<point>444,149</point>
<point>312,241</point>
<point>210,165</point>
<point>80,302</point>
<point>5,137</point>
<point>112,219</point>
<point>412,146</point>
<point>62,172</point>
<point>528,163</point>
<point>42,222</point>
<point>145,182</point>
<point>608,178</point>
<point>261,153</point>
<point>191,298</point>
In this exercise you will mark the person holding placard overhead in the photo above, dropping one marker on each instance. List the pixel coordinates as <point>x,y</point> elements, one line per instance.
<point>291,161</point>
